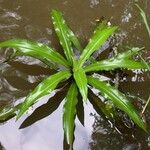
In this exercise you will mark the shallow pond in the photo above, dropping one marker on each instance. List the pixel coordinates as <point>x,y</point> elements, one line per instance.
<point>30,19</point>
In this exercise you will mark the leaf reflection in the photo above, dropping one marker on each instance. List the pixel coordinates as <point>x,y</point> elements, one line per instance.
<point>45,110</point>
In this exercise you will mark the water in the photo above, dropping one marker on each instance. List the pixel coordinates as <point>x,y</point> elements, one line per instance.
<point>31,20</point>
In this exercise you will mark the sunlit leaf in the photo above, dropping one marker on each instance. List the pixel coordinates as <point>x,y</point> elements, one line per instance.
<point>81,81</point>
<point>70,113</point>
<point>99,37</point>
<point>129,53</point>
<point>8,112</point>
<point>74,39</point>
<point>122,60</point>
<point>44,88</point>
<point>62,33</point>
<point>111,64</point>
<point>36,50</point>
<point>118,99</point>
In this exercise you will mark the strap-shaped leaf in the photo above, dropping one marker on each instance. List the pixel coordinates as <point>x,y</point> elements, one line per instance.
<point>44,88</point>
<point>118,99</point>
<point>8,112</point>
<point>129,53</point>
<point>36,50</point>
<point>74,39</point>
<point>81,81</point>
<point>122,60</point>
<point>101,34</point>
<point>70,113</point>
<point>62,33</point>
<point>143,15</point>
<point>115,63</point>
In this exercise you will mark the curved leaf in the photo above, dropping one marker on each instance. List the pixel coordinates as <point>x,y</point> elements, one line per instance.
<point>143,15</point>
<point>81,81</point>
<point>111,64</point>
<point>118,99</point>
<point>36,50</point>
<point>44,88</point>
<point>122,60</point>
<point>62,33</point>
<point>8,112</point>
<point>70,113</point>
<point>100,36</point>
<point>74,39</point>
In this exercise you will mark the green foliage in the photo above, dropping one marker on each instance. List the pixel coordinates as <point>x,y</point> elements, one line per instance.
<point>70,112</point>
<point>75,71</point>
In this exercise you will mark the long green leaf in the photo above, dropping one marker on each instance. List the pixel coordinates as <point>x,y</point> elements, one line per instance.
<point>62,33</point>
<point>100,36</point>
<point>143,15</point>
<point>74,39</point>
<point>81,81</point>
<point>44,88</point>
<point>70,113</point>
<point>36,50</point>
<point>122,60</point>
<point>114,64</point>
<point>118,99</point>
<point>6,113</point>
<point>9,112</point>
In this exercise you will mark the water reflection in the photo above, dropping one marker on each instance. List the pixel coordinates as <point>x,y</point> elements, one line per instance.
<point>106,137</point>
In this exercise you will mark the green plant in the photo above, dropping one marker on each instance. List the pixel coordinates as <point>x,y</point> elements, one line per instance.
<point>144,18</point>
<point>76,70</point>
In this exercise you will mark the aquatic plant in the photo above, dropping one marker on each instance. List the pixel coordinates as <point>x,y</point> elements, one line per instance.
<point>144,18</point>
<point>78,70</point>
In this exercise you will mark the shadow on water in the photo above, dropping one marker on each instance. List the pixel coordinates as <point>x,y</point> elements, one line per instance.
<point>43,128</point>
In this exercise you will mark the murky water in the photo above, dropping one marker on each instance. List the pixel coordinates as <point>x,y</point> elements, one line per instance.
<point>31,20</point>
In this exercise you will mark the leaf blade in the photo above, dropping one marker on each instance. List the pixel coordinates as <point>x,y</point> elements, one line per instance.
<point>36,50</point>
<point>122,60</point>
<point>44,88</point>
<point>98,39</point>
<point>118,99</point>
<point>108,65</point>
<point>62,33</point>
<point>70,113</point>
<point>81,81</point>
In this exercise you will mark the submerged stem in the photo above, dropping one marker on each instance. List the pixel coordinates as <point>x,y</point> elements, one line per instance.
<point>148,101</point>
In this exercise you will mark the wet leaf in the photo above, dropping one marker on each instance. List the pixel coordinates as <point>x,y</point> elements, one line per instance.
<point>143,15</point>
<point>8,112</point>
<point>36,50</point>
<point>118,99</point>
<point>111,64</point>
<point>122,60</point>
<point>62,33</point>
<point>101,34</point>
<point>81,81</point>
<point>44,88</point>
<point>70,113</point>
<point>74,39</point>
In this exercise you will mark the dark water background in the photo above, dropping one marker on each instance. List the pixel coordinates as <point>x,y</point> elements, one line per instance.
<point>30,19</point>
